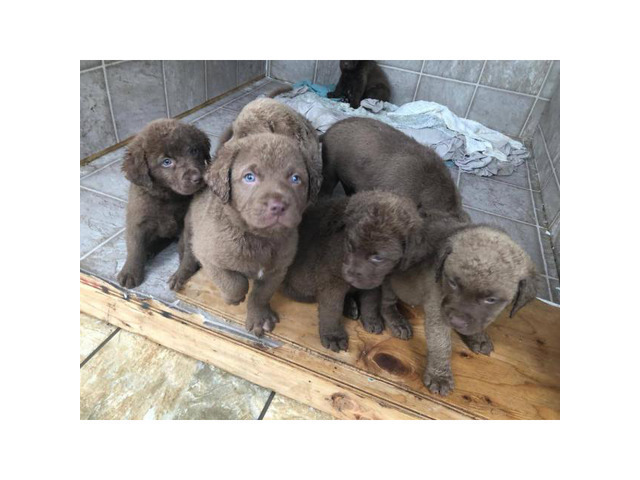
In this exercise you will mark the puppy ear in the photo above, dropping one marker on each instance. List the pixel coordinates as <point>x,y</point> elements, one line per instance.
<point>205,145</point>
<point>314,171</point>
<point>415,244</point>
<point>308,142</point>
<point>135,166</point>
<point>442,257</point>
<point>218,175</point>
<point>526,292</point>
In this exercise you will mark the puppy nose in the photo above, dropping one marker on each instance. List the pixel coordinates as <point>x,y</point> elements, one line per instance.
<point>276,207</point>
<point>195,177</point>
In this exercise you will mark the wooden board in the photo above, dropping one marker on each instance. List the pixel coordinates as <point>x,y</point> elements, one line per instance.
<point>378,378</point>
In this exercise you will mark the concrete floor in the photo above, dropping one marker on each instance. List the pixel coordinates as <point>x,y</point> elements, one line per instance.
<point>124,376</point>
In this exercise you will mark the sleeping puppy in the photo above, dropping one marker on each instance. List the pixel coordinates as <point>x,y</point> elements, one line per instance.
<point>478,271</point>
<point>361,79</point>
<point>245,226</point>
<point>353,242</point>
<point>490,269</point>
<point>165,163</point>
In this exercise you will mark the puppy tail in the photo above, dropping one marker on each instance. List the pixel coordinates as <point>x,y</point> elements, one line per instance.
<point>280,90</point>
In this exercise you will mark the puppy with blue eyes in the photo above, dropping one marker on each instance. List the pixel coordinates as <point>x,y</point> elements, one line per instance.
<point>349,243</point>
<point>245,225</point>
<point>165,164</point>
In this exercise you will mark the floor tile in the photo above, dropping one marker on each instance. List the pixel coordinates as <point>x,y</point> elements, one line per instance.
<point>285,408</point>
<point>518,177</point>
<point>134,378</point>
<point>216,122</point>
<point>542,288</point>
<point>92,333</point>
<point>100,218</point>
<point>109,259</point>
<point>100,162</point>
<point>110,180</point>
<point>496,197</point>
<point>524,235</point>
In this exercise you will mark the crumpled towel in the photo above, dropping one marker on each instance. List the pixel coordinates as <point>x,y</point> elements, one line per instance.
<point>470,145</point>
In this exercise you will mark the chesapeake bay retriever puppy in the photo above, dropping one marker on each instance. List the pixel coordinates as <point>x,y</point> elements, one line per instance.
<point>476,270</point>
<point>246,225</point>
<point>353,242</point>
<point>361,79</point>
<point>165,164</point>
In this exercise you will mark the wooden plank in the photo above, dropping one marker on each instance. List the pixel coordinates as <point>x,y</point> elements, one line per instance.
<point>379,377</point>
<point>520,380</point>
<point>184,333</point>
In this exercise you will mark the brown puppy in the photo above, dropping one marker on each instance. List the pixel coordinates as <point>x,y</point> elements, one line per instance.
<point>165,163</point>
<point>483,269</point>
<point>353,242</point>
<point>361,79</point>
<point>245,226</point>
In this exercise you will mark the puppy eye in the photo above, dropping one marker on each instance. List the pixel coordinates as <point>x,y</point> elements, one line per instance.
<point>490,300</point>
<point>249,178</point>
<point>453,284</point>
<point>167,162</point>
<point>376,258</point>
<point>295,179</point>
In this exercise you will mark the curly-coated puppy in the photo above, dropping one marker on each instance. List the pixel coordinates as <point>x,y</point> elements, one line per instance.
<point>491,270</point>
<point>165,163</point>
<point>246,225</point>
<point>360,79</point>
<point>353,242</point>
<point>478,271</point>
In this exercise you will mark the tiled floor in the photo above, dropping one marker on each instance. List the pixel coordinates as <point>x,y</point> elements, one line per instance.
<point>129,377</point>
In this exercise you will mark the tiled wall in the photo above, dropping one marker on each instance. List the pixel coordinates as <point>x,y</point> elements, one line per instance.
<point>506,95</point>
<point>546,150</point>
<point>117,98</point>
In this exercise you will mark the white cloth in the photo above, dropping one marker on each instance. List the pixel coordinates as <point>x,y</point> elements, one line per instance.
<point>470,145</point>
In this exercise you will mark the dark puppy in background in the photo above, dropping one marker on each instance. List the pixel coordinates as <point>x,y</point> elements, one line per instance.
<point>165,163</point>
<point>245,226</point>
<point>473,271</point>
<point>361,79</point>
<point>353,242</point>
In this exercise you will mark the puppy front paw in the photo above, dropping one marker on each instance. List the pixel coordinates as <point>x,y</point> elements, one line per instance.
<point>335,340</point>
<point>261,320</point>
<point>402,329</point>
<point>479,343</point>
<point>176,281</point>
<point>130,277</point>
<point>439,383</point>
<point>373,324</point>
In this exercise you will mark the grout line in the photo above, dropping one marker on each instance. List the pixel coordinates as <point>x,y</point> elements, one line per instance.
<point>92,69</point>
<point>99,169</point>
<point>267,405</point>
<point>557,216</point>
<point>315,72</point>
<point>206,87</point>
<point>507,183</point>
<point>224,105</point>
<point>237,73</point>
<point>97,349</point>
<point>475,90</point>
<point>544,259</point>
<point>269,68</point>
<point>113,118</point>
<point>164,84</point>
<point>546,149</point>
<point>415,93</point>
<point>458,179</point>
<point>102,244</point>
<point>498,215</point>
<point>536,100</point>
<point>88,189</point>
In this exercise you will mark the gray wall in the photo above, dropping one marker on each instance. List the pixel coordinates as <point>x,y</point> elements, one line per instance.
<point>117,98</point>
<point>506,95</point>
<point>546,150</point>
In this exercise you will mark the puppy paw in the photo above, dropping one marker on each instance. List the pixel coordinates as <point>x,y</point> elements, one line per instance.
<point>479,343</point>
<point>130,277</point>
<point>438,383</point>
<point>401,329</point>
<point>373,324</point>
<point>260,321</point>
<point>176,282</point>
<point>335,341</point>
<point>351,309</point>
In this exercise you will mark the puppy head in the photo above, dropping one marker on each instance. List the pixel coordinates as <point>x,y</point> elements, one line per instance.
<point>168,155</point>
<point>348,65</point>
<point>264,180</point>
<point>481,270</point>
<point>379,231</point>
